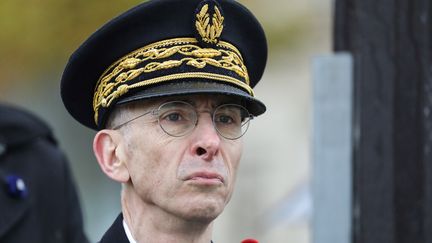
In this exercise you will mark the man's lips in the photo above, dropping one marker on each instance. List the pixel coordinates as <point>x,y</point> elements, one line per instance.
<point>205,177</point>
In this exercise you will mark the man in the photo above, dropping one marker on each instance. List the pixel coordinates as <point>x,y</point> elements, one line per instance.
<point>168,86</point>
<point>38,200</point>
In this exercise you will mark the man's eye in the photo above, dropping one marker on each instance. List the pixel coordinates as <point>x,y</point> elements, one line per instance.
<point>225,119</point>
<point>173,117</point>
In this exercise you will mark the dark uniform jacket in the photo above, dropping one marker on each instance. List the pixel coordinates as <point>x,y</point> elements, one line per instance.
<point>45,207</point>
<point>116,233</point>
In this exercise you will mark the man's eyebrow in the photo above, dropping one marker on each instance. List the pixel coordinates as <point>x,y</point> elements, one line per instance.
<point>216,101</point>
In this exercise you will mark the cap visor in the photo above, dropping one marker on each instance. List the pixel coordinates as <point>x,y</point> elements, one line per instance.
<point>254,106</point>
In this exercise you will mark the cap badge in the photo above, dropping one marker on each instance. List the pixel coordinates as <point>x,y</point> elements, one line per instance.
<point>209,32</point>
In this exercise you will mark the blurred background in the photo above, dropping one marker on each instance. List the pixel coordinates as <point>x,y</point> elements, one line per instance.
<point>272,201</point>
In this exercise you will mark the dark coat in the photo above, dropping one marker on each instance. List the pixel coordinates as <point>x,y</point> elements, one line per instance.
<point>116,233</point>
<point>48,211</point>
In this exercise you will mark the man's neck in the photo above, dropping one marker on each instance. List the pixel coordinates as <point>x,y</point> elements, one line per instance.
<point>148,224</point>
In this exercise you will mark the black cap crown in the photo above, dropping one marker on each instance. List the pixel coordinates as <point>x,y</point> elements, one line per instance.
<point>164,48</point>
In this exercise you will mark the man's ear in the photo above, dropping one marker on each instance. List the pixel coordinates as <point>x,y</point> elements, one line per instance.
<point>107,148</point>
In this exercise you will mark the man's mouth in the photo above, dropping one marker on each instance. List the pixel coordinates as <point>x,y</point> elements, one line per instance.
<point>205,178</point>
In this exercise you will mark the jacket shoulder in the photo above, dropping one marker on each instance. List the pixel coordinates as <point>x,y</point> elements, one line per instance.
<point>18,126</point>
<point>115,233</point>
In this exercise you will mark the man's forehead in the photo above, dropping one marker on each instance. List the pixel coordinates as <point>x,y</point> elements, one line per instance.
<point>213,99</point>
<point>199,99</point>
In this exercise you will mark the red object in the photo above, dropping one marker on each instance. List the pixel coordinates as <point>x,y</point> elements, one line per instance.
<point>249,241</point>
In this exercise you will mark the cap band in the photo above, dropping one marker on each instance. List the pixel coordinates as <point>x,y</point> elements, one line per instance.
<point>168,60</point>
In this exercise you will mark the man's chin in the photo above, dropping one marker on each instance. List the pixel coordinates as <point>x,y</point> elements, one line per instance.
<point>204,212</point>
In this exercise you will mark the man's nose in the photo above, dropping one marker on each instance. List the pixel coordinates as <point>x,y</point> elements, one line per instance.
<point>206,140</point>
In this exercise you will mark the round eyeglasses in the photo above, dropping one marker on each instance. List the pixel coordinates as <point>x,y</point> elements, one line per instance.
<point>178,118</point>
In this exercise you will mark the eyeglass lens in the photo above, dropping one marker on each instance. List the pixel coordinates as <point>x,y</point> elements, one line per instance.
<point>178,118</point>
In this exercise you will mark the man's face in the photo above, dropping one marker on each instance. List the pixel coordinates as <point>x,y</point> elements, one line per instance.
<point>191,177</point>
